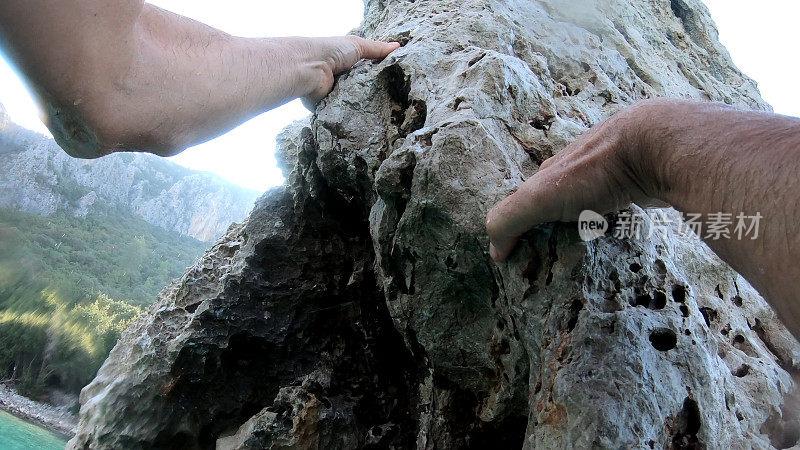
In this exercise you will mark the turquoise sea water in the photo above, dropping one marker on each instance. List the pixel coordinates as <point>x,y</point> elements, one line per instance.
<point>16,434</point>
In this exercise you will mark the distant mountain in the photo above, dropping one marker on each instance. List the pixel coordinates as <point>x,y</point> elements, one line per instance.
<point>37,177</point>
<point>3,117</point>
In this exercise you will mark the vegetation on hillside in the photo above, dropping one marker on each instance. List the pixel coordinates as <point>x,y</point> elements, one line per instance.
<point>69,286</point>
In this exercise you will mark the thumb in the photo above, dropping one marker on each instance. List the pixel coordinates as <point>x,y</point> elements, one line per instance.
<point>535,202</point>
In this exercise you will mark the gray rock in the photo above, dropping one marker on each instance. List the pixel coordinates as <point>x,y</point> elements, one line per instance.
<point>37,177</point>
<point>358,306</point>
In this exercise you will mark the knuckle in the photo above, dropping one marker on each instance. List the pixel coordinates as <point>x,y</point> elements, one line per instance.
<point>358,44</point>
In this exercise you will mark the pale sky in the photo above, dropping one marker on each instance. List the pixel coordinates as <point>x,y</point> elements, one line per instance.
<point>762,41</point>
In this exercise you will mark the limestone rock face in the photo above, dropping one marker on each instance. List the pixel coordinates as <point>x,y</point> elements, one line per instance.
<point>358,306</point>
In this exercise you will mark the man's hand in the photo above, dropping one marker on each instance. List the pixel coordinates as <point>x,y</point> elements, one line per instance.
<point>700,158</point>
<point>332,56</point>
<point>602,171</point>
<point>123,75</point>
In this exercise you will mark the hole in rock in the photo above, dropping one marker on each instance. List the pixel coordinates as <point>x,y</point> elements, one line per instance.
<point>567,89</point>
<point>407,114</point>
<point>709,315</point>
<point>663,339</point>
<point>687,425</point>
<point>476,59</point>
<point>531,272</point>
<point>657,301</point>
<point>469,431</point>
<point>397,84</point>
<point>679,293</point>
<point>543,122</point>
<point>738,301</point>
<point>642,300</point>
<point>742,371</point>
<point>684,310</point>
<point>415,117</point>
<point>325,402</point>
<point>574,311</point>
<point>635,267</point>
<point>744,345</point>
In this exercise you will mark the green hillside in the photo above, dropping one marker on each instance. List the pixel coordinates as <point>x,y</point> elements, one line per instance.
<point>69,286</point>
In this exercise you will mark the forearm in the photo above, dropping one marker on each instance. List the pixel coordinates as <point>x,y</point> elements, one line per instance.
<point>188,82</point>
<point>710,159</point>
<point>124,75</point>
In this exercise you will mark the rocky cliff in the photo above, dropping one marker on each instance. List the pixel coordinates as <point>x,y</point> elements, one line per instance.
<point>358,307</point>
<point>37,177</point>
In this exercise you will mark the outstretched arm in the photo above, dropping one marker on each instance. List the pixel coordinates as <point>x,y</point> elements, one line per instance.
<point>119,75</point>
<point>698,157</point>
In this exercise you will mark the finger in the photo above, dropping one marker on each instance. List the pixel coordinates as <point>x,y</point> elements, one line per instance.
<point>537,201</point>
<point>369,49</point>
<point>501,250</point>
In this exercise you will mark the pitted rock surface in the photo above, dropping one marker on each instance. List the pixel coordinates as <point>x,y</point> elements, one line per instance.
<point>358,306</point>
